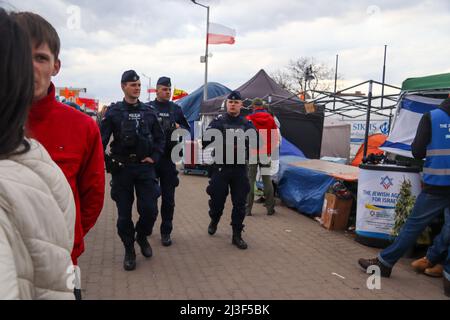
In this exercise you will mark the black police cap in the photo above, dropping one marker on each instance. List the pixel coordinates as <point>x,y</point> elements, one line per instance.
<point>164,81</point>
<point>130,76</point>
<point>234,95</point>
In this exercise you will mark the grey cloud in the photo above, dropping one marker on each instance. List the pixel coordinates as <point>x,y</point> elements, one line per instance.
<point>157,37</point>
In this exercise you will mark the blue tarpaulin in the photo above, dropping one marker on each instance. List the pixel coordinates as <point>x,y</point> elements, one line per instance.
<point>301,188</point>
<point>191,104</point>
<point>289,149</point>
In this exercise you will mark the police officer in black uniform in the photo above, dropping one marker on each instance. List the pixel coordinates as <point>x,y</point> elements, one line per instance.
<point>138,143</point>
<point>229,176</point>
<point>170,117</point>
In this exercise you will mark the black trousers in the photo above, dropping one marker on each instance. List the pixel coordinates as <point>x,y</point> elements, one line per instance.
<point>142,179</point>
<point>225,180</point>
<point>167,174</point>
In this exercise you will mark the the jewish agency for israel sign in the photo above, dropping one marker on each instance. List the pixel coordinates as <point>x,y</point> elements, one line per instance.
<point>378,192</point>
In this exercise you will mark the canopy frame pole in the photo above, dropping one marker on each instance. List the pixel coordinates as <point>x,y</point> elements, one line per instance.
<point>366,137</point>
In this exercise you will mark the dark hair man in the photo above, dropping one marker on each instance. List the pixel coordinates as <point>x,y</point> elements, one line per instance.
<point>170,117</point>
<point>228,176</point>
<point>137,145</point>
<point>71,138</point>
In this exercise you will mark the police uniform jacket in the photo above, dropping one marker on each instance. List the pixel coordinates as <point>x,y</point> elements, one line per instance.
<point>168,114</point>
<point>225,122</point>
<point>145,122</point>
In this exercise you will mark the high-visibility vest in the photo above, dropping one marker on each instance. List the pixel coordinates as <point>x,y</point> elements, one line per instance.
<point>437,165</point>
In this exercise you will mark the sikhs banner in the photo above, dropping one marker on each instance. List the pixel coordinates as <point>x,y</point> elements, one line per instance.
<point>411,110</point>
<point>219,34</point>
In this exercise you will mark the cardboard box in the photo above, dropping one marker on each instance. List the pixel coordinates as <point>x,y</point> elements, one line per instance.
<point>310,107</point>
<point>336,212</point>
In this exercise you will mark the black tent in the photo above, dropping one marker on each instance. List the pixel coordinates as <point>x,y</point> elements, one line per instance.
<point>302,129</point>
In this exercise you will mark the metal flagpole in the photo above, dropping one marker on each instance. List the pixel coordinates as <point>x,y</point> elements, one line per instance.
<point>335,82</point>
<point>366,136</point>
<point>382,88</point>
<point>205,89</point>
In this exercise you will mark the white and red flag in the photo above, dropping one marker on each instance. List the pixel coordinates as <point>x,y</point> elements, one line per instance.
<point>219,34</point>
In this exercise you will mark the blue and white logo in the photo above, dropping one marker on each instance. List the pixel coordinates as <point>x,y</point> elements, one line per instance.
<point>384,128</point>
<point>387,182</point>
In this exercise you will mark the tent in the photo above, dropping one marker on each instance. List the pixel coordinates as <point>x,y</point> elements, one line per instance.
<point>302,129</point>
<point>438,81</point>
<point>373,145</point>
<point>260,86</point>
<point>191,104</point>
<point>72,104</point>
<point>419,95</point>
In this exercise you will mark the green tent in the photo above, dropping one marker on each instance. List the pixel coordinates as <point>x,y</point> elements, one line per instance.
<point>438,81</point>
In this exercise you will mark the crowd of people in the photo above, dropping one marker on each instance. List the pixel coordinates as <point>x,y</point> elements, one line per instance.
<point>53,160</point>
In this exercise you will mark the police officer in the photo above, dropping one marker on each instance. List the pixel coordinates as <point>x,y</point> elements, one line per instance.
<point>138,143</point>
<point>170,117</point>
<point>229,176</point>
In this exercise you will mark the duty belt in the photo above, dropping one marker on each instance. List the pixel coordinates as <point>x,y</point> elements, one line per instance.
<point>131,158</point>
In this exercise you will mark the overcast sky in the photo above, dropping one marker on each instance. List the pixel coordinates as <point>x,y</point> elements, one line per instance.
<point>167,37</point>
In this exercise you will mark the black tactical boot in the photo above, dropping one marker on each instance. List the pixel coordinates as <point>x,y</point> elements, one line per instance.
<point>237,239</point>
<point>146,249</point>
<point>366,263</point>
<point>129,263</point>
<point>165,240</point>
<point>213,227</point>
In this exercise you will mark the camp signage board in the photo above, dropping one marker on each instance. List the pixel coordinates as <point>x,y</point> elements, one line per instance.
<point>358,129</point>
<point>378,192</point>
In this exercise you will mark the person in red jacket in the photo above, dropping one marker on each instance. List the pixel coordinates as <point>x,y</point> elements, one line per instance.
<point>71,138</point>
<point>268,132</point>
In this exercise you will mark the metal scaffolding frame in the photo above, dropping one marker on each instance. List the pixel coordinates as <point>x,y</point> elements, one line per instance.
<point>354,105</point>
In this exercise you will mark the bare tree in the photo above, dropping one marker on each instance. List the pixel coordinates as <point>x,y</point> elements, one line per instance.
<point>305,71</point>
<point>283,79</point>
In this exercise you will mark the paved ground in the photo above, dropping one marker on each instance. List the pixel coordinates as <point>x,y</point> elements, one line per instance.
<point>289,257</point>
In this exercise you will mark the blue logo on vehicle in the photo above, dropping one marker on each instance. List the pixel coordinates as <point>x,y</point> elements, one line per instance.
<point>387,182</point>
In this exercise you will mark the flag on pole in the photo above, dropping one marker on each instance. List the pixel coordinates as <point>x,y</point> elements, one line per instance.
<point>410,111</point>
<point>219,34</point>
<point>88,103</point>
<point>178,94</point>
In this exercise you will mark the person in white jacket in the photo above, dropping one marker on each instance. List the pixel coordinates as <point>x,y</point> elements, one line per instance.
<point>37,210</point>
